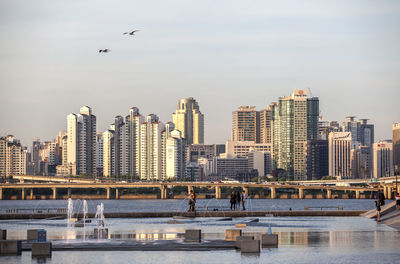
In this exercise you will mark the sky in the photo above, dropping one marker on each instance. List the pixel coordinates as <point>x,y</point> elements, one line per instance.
<point>223,53</point>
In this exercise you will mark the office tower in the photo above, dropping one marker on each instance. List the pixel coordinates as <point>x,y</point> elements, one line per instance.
<point>35,159</point>
<point>317,159</point>
<point>12,157</point>
<point>189,120</point>
<point>196,151</point>
<point>396,144</point>
<point>295,122</point>
<point>108,153</point>
<point>260,161</point>
<point>233,168</point>
<point>150,149</point>
<point>366,133</point>
<point>383,159</point>
<point>266,126</point>
<point>361,162</point>
<point>165,134</point>
<point>99,154</point>
<point>339,154</point>
<point>133,122</point>
<point>175,157</point>
<point>81,144</point>
<point>326,127</point>
<point>245,124</point>
<point>192,171</point>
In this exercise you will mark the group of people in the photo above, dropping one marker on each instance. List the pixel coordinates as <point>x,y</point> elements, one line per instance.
<point>380,200</point>
<point>236,199</point>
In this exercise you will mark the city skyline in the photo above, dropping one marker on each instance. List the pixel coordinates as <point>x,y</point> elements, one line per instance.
<point>224,54</point>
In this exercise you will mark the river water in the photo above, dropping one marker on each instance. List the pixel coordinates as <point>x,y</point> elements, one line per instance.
<point>301,239</point>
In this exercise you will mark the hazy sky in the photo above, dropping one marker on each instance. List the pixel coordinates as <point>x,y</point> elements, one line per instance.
<point>222,53</point>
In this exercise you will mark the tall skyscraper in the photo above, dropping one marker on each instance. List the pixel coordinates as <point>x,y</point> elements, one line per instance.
<point>245,124</point>
<point>361,162</point>
<point>383,159</point>
<point>266,135</point>
<point>362,133</point>
<point>175,157</point>
<point>165,134</point>
<point>339,154</point>
<point>99,154</point>
<point>119,146</point>
<point>295,121</point>
<point>317,159</point>
<point>81,144</point>
<point>189,120</point>
<point>151,149</point>
<point>396,144</point>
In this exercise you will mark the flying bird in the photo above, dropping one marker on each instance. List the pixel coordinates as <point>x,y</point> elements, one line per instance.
<point>104,50</point>
<point>131,33</point>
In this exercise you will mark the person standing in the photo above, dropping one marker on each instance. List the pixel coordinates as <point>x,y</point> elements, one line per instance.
<point>397,197</point>
<point>378,211</point>
<point>243,199</point>
<point>233,201</point>
<point>238,199</point>
<point>192,201</point>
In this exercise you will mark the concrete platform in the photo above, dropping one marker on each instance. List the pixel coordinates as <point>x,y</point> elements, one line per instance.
<point>385,209</point>
<point>224,214</point>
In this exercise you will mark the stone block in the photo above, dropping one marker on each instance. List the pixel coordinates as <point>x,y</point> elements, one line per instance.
<point>100,233</point>
<point>10,247</point>
<point>41,249</point>
<point>193,235</point>
<point>3,234</point>
<point>231,234</point>
<point>32,234</point>
<point>251,246</point>
<point>269,240</point>
<point>242,239</point>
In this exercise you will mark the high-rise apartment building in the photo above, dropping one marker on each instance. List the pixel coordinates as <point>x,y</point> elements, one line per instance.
<point>175,157</point>
<point>12,157</point>
<point>151,149</point>
<point>108,153</point>
<point>165,134</point>
<point>295,121</point>
<point>245,124</point>
<point>99,154</point>
<point>362,133</point>
<point>81,144</point>
<point>361,162</point>
<point>383,159</point>
<point>396,144</point>
<point>266,130</point>
<point>133,122</point>
<point>339,154</point>
<point>189,120</point>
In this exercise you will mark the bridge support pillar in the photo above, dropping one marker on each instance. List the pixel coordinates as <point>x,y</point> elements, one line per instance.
<point>217,192</point>
<point>246,191</point>
<point>163,192</point>
<point>31,195</point>
<point>108,193</point>
<point>23,194</point>
<point>273,193</point>
<point>116,194</point>
<point>385,192</point>
<point>389,193</point>
<point>54,193</point>
<point>357,194</point>
<point>301,193</point>
<point>1,193</point>
<point>329,194</point>
<point>69,192</point>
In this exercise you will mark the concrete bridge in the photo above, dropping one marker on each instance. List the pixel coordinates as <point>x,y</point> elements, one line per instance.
<point>163,186</point>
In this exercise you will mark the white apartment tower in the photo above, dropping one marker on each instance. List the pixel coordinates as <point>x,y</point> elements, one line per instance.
<point>133,122</point>
<point>189,120</point>
<point>81,143</point>
<point>175,157</point>
<point>383,159</point>
<point>340,154</point>
<point>165,134</point>
<point>108,153</point>
<point>150,148</point>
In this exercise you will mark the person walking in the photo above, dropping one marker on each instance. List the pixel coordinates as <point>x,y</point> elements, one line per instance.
<point>238,200</point>
<point>233,201</point>
<point>243,200</point>
<point>378,211</point>
<point>397,197</point>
